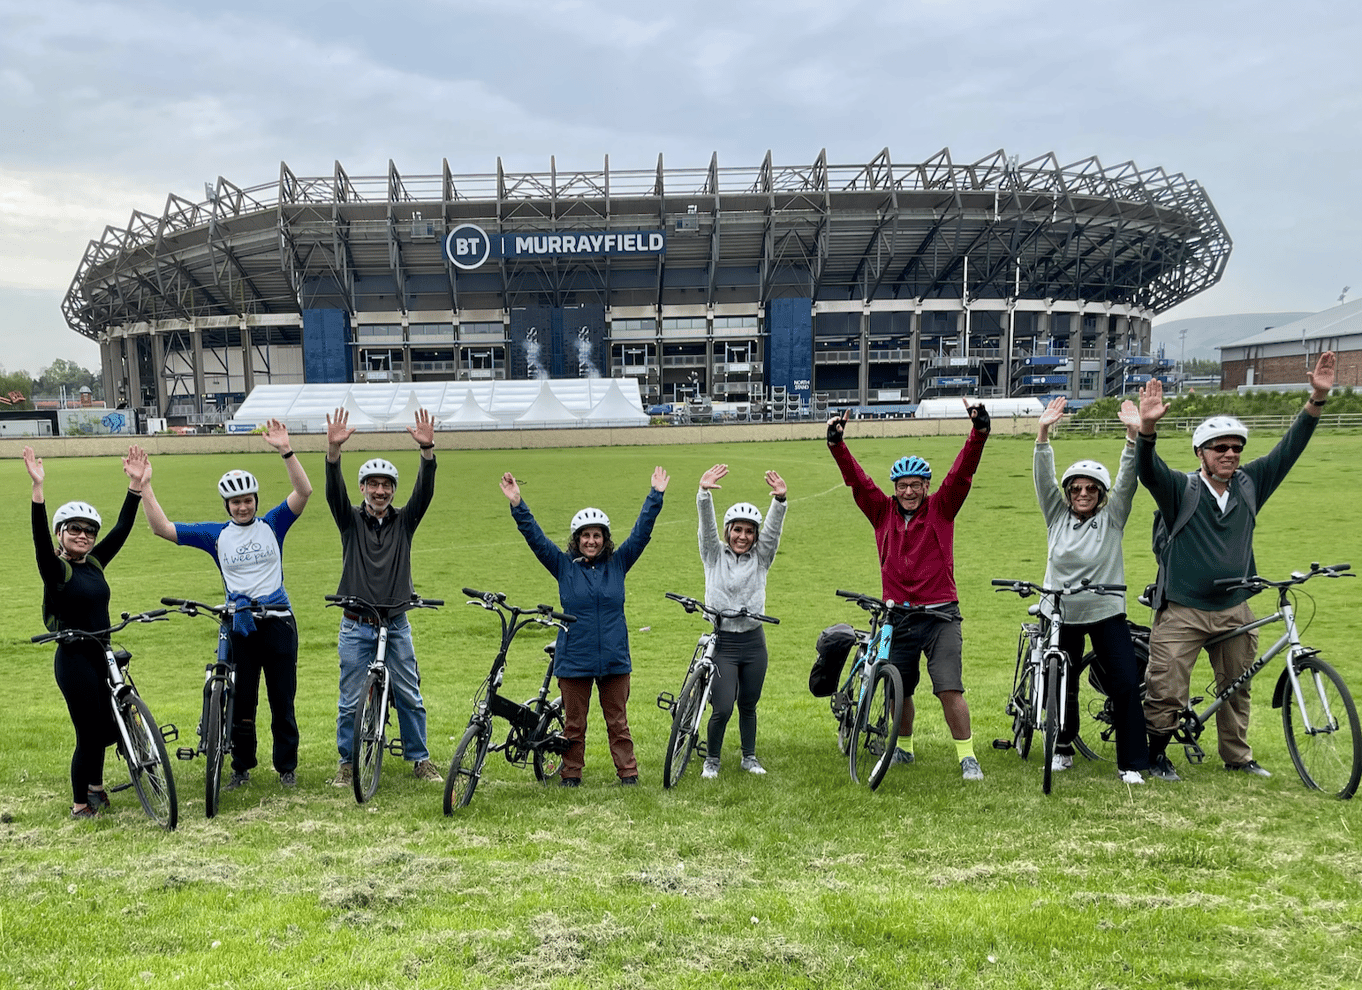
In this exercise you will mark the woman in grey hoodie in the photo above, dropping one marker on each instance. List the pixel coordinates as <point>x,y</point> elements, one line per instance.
<point>1085,517</point>
<point>735,577</point>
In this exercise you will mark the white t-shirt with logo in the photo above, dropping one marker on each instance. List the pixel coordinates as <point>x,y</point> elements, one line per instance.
<point>250,557</point>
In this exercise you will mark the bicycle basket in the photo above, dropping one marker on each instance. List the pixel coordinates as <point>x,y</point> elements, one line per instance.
<point>834,646</point>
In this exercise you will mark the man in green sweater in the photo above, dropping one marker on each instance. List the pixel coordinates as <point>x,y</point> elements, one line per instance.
<point>1215,542</point>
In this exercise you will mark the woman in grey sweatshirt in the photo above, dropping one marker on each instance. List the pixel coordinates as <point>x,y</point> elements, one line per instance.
<point>735,577</point>
<point>1085,518</point>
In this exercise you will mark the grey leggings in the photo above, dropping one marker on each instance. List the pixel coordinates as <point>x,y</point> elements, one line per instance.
<point>741,659</point>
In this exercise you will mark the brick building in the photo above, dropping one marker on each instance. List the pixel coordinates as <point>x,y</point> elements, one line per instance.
<point>1282,355</point>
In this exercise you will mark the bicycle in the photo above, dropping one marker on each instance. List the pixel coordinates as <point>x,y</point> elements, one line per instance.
<point>219,696</point>
<point>1319,718</point>
<point>1042,680</point>
<point>869,705</point>
<point>141,743</point>
<point>537,728</point>
<point>375,699</point>
<point>696,687</point>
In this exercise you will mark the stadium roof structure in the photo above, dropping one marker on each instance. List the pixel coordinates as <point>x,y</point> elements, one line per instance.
<point>995,228</point>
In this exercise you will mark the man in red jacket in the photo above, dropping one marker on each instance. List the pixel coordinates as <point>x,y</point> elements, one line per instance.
<point>915,536</point>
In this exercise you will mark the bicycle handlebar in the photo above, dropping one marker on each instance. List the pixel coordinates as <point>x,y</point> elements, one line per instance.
<point>1258,583</point>
<point>695,605</point>
<point>492,599</point>
<point>219,612</point>
<point>1026,588</point>
<point>358,604</point>
<point>67,635</point>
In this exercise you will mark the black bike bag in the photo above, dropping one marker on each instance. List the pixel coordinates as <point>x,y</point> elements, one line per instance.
<point>834,646</point>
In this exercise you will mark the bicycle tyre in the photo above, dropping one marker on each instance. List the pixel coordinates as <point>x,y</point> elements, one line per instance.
<point>846,722</point>
<point>371,723</point>
<point>466,768</point>
<point>548,765</point>
<point>1331,760</point>
<point>876,733</point>
<point>1023,698</point>
<point>1054,698</point>
<point>149,764</point>
<point>685,734</point>
<point>214,748</point>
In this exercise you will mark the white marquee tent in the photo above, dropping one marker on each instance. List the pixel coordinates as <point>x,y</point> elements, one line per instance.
<point>486,405</point>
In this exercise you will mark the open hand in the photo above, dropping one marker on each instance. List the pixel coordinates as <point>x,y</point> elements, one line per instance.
<point>710,479</point>
<point>338,429</point>
<point>510,488</point>
<point>424,430</point>
<point>660,479</point>
<point>34,463</point>
<point>776,482</point>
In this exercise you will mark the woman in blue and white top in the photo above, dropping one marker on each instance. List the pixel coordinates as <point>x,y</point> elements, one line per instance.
<point>1085,515</point>
<point>735,577</point>
<point>249,551</point>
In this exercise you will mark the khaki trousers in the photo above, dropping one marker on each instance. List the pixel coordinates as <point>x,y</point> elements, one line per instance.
<point>1177,638</point>
<point>614,697</point>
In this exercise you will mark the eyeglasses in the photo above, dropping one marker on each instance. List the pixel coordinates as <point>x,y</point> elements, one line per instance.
<point>382,486</point>
<point>80,530</point>
<point>1221,448</point>
<point>910,486</point>
<point>1085,490</point>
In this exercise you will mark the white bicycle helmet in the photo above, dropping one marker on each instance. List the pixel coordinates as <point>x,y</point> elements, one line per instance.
<point>72,511</point>
<point>589,517</point>
<point>743,510</point>
<point>378,466</point>
<point>235,483</point>
<point>1216,427</point>
<point>1087,469</point>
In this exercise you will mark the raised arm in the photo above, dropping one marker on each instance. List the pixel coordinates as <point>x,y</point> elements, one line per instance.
<point>276,435</point>
<point>1321,383</point>
<point>137,466</point>
<point>424,434</point>
<point>768,540</point>
<point>1049,416</point>
<point>710,544</point>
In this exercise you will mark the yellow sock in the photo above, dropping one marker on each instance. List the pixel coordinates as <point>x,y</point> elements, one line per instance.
<point>964,747</point>
<point>906,743</point>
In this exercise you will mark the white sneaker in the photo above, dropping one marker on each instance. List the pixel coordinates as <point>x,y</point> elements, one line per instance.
<point>752,765</point>
<point>1062,761</point>
<point>970,769</point>
<point>1130,776</point>
<point>711,769</point>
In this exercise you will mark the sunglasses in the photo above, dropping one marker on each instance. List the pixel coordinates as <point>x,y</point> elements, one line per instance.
<point>1221,448</point>
<point>80,530</point>
<point>1084,490</point>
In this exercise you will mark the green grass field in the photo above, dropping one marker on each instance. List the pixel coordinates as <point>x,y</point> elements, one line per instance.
<point>799,878</point>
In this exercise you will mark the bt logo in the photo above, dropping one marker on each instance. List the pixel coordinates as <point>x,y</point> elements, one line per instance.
<point>467,246</point>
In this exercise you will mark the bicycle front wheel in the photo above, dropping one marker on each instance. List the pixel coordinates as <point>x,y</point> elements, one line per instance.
<point>466,768</point>
<point>546,763</point>
<point>876,733</point>
<point>1054,698</point>
<point>1025,697</point>
<point>1325,743</point>
<point>371,723</point>
<point>685,736</point>
<point>215,731</point>
<point>149,763</point>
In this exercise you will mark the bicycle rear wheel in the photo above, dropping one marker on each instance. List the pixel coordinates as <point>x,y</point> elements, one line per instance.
<point>547,763</point>
<point>149,763</point>
<point>876,733</point>
<point>1026,694</point>
<point>371,723</point>
<point>1054,698</point>
<point>1325,744</point>
<point>685,735</point>
<point>215,731</point>
<point>466,768</point>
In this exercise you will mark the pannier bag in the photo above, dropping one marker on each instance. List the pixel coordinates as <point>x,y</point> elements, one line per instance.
<point>834,646</point>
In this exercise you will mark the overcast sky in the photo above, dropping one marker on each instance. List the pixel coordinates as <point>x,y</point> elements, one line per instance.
<point>107,108</point>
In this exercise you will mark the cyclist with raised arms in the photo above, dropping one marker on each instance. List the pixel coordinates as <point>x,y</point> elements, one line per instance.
<point>376,541</point>
<point>76,596</point>
<point>1214,541</point>
<point>249,551</point>
<point>1085,519</point>
<point>595,648</point>
<point>735,578</point>
<point>915,536</point>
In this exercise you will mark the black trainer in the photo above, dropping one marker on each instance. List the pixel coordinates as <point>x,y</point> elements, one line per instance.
<point>1162,767</point>
<point>569,781</point>
<point>1252,766</point>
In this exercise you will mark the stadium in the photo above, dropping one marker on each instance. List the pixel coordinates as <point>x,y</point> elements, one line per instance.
<point>775,288</point>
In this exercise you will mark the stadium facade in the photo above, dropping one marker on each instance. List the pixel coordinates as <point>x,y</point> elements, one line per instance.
<point>873,284</point>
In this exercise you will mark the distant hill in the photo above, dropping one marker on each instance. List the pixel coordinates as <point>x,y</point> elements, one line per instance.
<point>1206,333</point>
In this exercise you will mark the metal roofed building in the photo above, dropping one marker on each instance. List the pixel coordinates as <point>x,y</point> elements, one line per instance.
<point>1283,355</point>
<point>874,283</point>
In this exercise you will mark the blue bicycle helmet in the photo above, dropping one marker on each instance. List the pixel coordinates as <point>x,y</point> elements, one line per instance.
<point>910,467</point>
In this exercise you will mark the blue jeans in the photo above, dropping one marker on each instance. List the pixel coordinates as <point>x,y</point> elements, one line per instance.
<point>357,646</point>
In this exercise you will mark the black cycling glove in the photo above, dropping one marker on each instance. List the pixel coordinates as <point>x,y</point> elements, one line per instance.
<point>836,429</point>
<point>981,420</point>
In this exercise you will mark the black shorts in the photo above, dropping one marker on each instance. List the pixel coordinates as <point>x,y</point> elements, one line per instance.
<point>940,639</point>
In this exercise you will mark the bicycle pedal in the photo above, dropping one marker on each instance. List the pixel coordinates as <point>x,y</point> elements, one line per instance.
<point>1003,744</point>
<point>395,748</point>
<point>184,753</point>
<point>701,749</point>
<point>1194,753</point>
<point>666,701</point>
<point>169,733</point>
